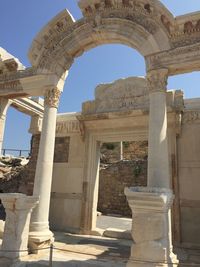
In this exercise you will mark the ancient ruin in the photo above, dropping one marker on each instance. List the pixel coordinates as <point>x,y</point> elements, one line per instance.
<point>166,212</point>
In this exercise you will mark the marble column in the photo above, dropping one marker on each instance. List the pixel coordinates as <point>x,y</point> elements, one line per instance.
<point>18,209</point>
<point>39,228</point>
<point>4,105</point>
<point>158,158</point>
<point>151,205</point>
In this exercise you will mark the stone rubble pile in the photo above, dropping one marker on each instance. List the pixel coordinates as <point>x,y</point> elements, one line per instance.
<point>11,173</point>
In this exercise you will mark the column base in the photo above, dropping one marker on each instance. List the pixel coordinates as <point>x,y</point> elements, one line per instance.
<point>38,241</point>
<point>151,227</point>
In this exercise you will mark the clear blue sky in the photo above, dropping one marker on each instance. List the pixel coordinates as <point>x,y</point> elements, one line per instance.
<point>21,20</point>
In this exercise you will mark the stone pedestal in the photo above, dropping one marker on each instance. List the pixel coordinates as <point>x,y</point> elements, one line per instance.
<point>18,211</point>
<point>40,235</point>
<point>151,227</point>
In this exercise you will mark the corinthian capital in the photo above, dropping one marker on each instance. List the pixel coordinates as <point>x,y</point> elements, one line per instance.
<point>52,97</point>
<point>157,80</point>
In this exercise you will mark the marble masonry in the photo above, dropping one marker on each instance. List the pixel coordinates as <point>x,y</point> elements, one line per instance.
<point>166,213</point>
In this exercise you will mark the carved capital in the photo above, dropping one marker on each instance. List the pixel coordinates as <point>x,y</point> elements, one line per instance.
<point>52,97</point>
<point>157,80</point>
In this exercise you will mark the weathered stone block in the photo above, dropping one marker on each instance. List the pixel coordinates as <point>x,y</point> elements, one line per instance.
<point>147,227</point>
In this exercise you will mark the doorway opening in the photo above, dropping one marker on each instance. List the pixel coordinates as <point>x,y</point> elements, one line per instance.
<point>122,164</point>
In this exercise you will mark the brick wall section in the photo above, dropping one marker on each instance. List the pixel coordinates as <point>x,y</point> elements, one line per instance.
<point>112,181</point>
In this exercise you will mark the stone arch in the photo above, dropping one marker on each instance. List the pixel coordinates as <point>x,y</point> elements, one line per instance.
<point>136,24</point>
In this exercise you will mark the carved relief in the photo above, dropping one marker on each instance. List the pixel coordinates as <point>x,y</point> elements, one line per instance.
<point>157,80</point>
<point>188,27</point>
<point>191,116</point>
<point>11,85</point>
<point>52,97</point>
<point>18,75</point>
<point>50,44</point>
<point>122,95</point>
<point>72,126</point>
<point>11,66</point>
<point>178,55</point>
<point>166,23</point>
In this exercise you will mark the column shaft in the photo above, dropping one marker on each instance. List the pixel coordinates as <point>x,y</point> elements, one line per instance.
<point>158,159</point>
<point>44,168</point>
<point>42,184</point>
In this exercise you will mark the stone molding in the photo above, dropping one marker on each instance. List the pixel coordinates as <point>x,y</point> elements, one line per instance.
<point>178,60</point>
<point>52,97</point>
<point>138,8</point>
<point>191,116</point>
<point>63,35</point>
<point>11,76</point>
<point>72,126</point>
<point>11,86</point>
<point>150,198</point>
<point>157,80</point>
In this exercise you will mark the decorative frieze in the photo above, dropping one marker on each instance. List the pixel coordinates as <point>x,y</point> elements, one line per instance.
<point>191,116</point>
<point>72,126</point>
<point>12,76</point>
<point>177,60</point>
<point>48,40</point>
<point>52,97</point>
<point>11,85</point>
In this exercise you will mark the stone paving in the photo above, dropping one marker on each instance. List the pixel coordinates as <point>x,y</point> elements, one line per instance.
<point>83,251</point>
<point>117,222</point>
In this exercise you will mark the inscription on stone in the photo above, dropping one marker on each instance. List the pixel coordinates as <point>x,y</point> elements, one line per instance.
<point>122,95</point>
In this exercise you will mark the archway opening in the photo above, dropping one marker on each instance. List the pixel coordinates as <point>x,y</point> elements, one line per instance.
<point>103,64</point>
<point>122,164</point>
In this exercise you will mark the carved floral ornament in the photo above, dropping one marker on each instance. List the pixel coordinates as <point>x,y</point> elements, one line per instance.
<point>191,117</point>
<point>157,80</point>
<point>52,97</point>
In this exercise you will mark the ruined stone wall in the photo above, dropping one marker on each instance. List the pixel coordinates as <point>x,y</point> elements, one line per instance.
<point>20,179</point>
<point>115,175</point>
<point>112,181</point>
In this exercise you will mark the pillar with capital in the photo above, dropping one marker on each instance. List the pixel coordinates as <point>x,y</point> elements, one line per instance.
<point>39,228</point>
<point>158,158</point>
<point>151,205</point>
